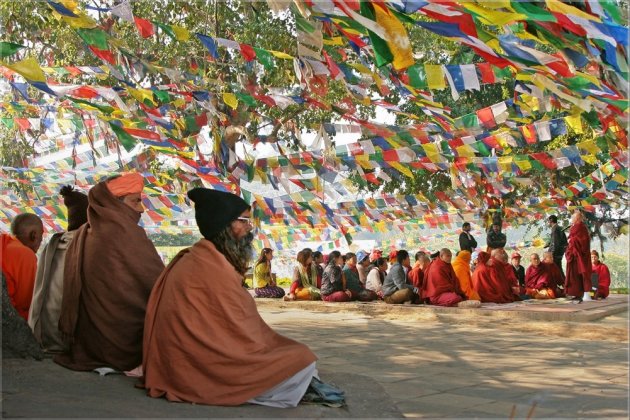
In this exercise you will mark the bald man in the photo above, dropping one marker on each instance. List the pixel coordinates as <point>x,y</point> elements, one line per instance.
<point>19,261</point>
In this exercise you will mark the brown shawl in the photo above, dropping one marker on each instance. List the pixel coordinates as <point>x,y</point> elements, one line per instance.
<point>110,268</point>
<point>204,340</point>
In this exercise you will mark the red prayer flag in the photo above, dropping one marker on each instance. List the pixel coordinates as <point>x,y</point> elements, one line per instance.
<point>247,52</point>
<point>145,27</point>
<point>486,117</point>
<point>106,55</point>
<point>487,74</point>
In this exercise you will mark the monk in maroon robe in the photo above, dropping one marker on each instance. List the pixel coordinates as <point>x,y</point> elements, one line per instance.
<point>578,256</point>
<point>442,286</point>
<point>603,276</point>
<point>554,274</point>
<point>490,280</point>
<point>536,277</point>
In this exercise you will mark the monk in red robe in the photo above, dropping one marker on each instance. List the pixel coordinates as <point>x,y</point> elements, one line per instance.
<point>554,273</point>
<point>19,261</point>
<point>110,268</point>
<point>204,340</point>
<point>578,257</point>
<point>603,276</point>
<point>442,286</point>
<point>536,276</point>
<point>491,281</point>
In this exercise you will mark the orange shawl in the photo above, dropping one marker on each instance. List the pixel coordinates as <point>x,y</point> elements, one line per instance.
<point>461,265</point>
<point>204,340</point>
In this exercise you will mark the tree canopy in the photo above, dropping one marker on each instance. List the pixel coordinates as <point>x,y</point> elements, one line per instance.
<point>507,107</point>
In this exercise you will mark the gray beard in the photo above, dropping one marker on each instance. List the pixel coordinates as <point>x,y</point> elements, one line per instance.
<point>237,251</point>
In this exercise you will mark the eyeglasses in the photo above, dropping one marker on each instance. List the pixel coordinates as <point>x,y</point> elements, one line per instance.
<point>244,219</point>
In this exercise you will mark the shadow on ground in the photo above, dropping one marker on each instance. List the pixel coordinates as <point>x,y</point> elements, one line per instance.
<point>43,389</point>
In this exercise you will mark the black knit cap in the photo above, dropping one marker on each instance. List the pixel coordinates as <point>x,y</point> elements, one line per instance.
<point>77,204</point>
<point>215,210</point>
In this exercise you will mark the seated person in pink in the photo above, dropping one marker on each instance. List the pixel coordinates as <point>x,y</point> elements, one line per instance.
<point>603,276</point>
<point>442,287</point>
<point>333,280</point>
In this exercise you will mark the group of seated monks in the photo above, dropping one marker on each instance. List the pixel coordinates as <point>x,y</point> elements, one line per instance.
<point>436,279</point>
<point>99,296</point>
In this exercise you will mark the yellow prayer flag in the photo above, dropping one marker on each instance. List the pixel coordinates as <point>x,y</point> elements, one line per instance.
<point>435,76</point>
<point>590,146</point>
<point>141,95</point>
<point>397,39</point>
<point>230,100</point>
<point>565,9</point>
<point>493,17</point>
<point>523,163</point>
<point>181,34</point>
<point>505,163</point>
<point>402,169</point>
<point>575,122</point>
<point>337,40</point>
<point>29,69</point>
<point>280,54</point>
<point>465,151</point>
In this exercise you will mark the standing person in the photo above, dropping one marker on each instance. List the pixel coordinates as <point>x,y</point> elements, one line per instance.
<point>204,340</point>
<point>519,270</point>
<point>46,304</point>
<point>19,259</point>
<point>376,277</point>
<point>304,284</point>
<point>603,276</point>
<point>461,266</point>
<point>333,281</point>
<point>466,240</point>
<point>395,287</point>
<point>442,287</point>
<point>110,269</point>
<point>495,239</point>
<point>578,255</point>
<point>557,242</point>
<point>353,283</point>
<point>263,278</point>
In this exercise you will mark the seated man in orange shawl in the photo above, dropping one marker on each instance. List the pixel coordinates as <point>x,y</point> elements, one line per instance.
<point>204,340</point>
<point>19,261</point>
<point>110,268</point>
<point>442,286</point>
<point>461,266</point>
<point>578,256</point>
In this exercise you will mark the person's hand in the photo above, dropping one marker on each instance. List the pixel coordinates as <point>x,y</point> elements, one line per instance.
<point>348,292</point>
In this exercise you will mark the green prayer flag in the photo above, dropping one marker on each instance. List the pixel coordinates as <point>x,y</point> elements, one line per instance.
<point>125,138</point>
<point>417,76</point>
<point>533,12</point>
<point>302,24</point>
<point>382,53</point>
<point>166,28</point>
<point>7,49</point>
<point>94,37</point>
<point>265,58</point>
<point>162,96</point>
<point>247,99</point>
<point>470,120</point>
<point>103,108</point>
<point>8,122</point>
<point>613,10</point>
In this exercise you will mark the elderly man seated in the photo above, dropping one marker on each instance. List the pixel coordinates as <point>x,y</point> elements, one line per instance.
<point>441,286</point>
<point>204,340</point>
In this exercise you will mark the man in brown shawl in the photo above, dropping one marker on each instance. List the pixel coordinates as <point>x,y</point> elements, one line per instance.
<point>110,268</point>
<point>204,340</point>
<point>46,305</point>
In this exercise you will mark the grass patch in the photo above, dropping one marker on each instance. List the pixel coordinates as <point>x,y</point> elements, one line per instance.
<point>619,291</point>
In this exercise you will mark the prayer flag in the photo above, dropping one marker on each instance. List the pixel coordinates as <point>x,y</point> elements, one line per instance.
<point>145,27</point>
<point>435,76</point>
<point>29,69</point>
<point>209,43</point>
<point>7,49</point>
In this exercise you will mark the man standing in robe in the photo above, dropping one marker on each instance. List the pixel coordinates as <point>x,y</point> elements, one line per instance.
<point>578,255</point>
<point>19,259</point>
<point>46,305</point>
<point>442,287</point>
<point>603,276</point>
<point>461,266</point>
<point>110,268</point>
<point>204,340</point>
<point>466,240</point>
<point>557,242</point>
